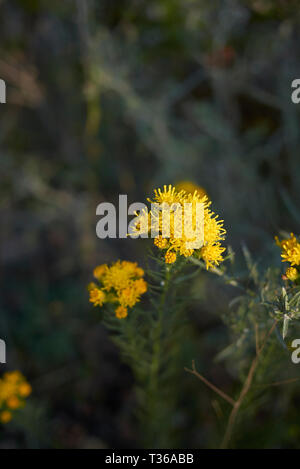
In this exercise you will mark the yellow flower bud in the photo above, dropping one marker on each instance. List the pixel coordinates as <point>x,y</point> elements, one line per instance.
<point>170,257</point>
<point>292,273</point>
<point>121,312</point>
<point>5,416</point>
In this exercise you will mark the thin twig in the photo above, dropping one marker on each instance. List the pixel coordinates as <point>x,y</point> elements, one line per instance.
<point>244,391</point>
<point>194,372</point>
<point>279,383</point>
<point>256,338</point>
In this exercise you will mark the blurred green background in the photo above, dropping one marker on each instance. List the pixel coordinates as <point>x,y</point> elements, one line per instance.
<point>118,97</point>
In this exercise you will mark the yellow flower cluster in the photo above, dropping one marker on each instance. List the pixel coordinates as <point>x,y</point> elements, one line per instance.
<point>190,187</point>
<point>14,389</point>
<point>182,235</point>
<point>122,284</point>
<point>290,252</point>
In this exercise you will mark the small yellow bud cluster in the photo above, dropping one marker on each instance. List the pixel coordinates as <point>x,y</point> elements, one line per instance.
<point>170,257</point>
<point>14,389</point>
<point>161,242</point>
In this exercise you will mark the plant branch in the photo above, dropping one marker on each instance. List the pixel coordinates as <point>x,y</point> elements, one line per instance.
<point>279,383</point>
<point>194,372</point>
<point>245,389</point>
<point>256,338</point>
<point>217,271</point>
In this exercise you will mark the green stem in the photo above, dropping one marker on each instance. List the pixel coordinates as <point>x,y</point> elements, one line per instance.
<point>217,271</point>
<point>154,387</point>
<point>158,332</point>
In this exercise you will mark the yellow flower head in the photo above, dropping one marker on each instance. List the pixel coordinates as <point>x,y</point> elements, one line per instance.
<point>179,227</point>
<point>13,391</point>
<point>212,254</point>
<point>13,377</point>
<point>121,312</point>
<point>190,187</point>
<point>140,286</point>
<point>168,195</point>
<point>5,416</point>
<point>25,389</point>
<point>97,296</point>
<point>121,283</point>
<point>129,296</point>
<point>99,271</point>
<point>119,275</point>
<point>13,403</point>
<point>290,249</point>
<point>292,273</point>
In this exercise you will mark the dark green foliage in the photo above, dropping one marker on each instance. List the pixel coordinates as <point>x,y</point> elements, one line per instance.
<point>151,340</point>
